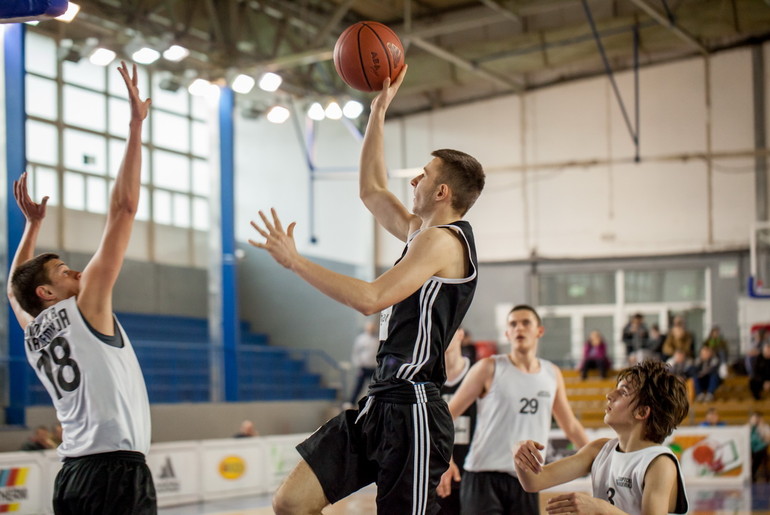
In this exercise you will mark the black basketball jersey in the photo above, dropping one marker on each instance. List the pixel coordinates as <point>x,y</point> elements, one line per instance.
<point>415,332</point>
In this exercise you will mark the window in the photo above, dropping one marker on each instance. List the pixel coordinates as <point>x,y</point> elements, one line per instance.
<point>577,288</point>
<point>92,125</point>
<point>664,285</point>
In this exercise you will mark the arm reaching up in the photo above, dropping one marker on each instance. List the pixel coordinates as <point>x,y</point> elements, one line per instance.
<point>34,214</point>
<point>99,276</point>
<point>373,186</point>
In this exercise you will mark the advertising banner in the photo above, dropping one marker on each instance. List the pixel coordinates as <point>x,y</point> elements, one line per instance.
<point>22,480</point>
<point>233,467</point>
<point>175,470</point>
<point>282,457</point>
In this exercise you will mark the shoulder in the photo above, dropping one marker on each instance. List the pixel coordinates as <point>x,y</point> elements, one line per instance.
<point>592,449</point>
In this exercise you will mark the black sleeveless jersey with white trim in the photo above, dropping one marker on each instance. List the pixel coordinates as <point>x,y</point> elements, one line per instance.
<point>415,332</point>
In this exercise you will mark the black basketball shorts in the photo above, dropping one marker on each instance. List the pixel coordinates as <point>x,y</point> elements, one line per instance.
<point>117,483</point>
<point>402,441</point>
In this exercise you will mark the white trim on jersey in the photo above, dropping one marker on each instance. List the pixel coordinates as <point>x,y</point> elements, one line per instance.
<point>428,294</point>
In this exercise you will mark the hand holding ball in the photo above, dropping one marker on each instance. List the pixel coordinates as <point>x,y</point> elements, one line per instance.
<point>366,53</point>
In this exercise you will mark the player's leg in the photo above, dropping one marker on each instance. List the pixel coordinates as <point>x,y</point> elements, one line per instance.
<point>300,493</point>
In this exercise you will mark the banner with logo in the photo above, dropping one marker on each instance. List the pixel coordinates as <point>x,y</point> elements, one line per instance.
<point>175,470</point>
<point>233,467</point>
<point>282,456</point>
<point>22,483</point>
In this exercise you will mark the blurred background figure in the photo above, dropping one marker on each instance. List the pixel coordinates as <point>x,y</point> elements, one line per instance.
<point>681,364</point>
<point>594,355</point>
<point>468,346</point>
<point>718,344</point>
<point>246,430</point>
<point>364,357</point>
<point>635,337</point>
<point>679,338</point>
<point>760,437</point>
<point>712,418</point>
<point>56,434</point>
<point>39,440</point>
<point>759,379</point>
<point>655,342</point>
<point>705,373</point>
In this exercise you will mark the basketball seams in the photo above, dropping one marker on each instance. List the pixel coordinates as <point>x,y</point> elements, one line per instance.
<point>361,56</point>
<point>383,45</point>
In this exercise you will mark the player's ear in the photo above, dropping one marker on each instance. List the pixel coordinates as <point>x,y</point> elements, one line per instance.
<point>442,191</point>
<point>44,292</point>
<point>642,412</point>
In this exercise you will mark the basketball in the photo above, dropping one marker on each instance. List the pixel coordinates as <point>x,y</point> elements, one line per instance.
<point>366,53</point>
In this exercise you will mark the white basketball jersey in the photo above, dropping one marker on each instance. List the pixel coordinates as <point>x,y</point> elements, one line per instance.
<point>618,477</point>
<point>97,387</point>
<point>517,407</point>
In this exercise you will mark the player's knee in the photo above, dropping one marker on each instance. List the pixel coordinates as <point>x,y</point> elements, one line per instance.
<point>285,504</point>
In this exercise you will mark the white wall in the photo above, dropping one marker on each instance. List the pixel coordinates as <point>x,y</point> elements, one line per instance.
<point>562,181</point>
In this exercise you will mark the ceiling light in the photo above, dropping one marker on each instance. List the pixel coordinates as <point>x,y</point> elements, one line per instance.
<point>243,83</point>
<point>270,81</point>
<point>278,114</point>
<point>316,112</point>
<point>31,22</point>
<point>200,87</point>
<point>145,55</point>
<point>333,111</point>
<point>70,13</point>
<point>102,57</point>
<point>353,109</point>
<point>175,53</point>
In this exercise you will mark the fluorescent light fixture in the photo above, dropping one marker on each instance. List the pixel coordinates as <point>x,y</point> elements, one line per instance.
<point>175,53</point>
<point>278,114</point>
<point>146,55</point>
<point>70,13</point>
<point>316,112</point>
<point>243,83</point>
<point>270,81</point>
<point>102,56</point>
<point>200,87</point>
<point>353,109</point>
<point>333,111</point>
<point>31,22</point>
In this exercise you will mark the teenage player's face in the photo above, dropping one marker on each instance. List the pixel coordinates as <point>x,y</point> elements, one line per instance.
<point>620,404</point>
<point>63,282</point>
<point>523,330</point>
<point>425,186</point>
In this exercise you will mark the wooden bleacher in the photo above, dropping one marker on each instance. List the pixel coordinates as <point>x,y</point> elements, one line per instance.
<point>733,399</point>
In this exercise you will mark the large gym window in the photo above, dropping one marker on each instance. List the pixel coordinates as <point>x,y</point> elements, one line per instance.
<point>77,124</point>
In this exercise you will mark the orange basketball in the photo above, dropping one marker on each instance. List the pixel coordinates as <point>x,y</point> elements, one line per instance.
<point>366,53</point>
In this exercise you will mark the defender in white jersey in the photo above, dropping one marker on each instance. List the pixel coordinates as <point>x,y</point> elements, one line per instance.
<point>81,353</point>
<point>632,473</point>
<point>515,394</point>
<point>402,436</point>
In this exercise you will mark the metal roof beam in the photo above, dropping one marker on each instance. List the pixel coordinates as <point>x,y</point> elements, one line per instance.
<point>676,29</point>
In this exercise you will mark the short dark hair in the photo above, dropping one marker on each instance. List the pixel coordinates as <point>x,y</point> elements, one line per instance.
<point>527,307</point>
<point>464,175</point>
<point>656,387</point>
<point>25,280</point>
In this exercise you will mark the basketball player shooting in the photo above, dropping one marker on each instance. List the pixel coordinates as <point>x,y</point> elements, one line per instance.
<point>81,353</point>
<point>401,436</point>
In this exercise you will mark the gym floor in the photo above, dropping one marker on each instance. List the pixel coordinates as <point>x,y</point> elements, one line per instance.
<point>751,499</point>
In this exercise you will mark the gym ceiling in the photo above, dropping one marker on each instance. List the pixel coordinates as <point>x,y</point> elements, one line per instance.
<point>457,50</point>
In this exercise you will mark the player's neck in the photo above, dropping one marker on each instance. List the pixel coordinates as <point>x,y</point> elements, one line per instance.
<point>525,361</point>
<point>630,439</point>
<point>439,217</point>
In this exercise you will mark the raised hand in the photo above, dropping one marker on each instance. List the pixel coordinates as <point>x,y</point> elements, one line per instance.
<point>388,93</point>
<point>576,502</point>
<point>33,211</point>
<point>139,107</point>
<point>279,243</point>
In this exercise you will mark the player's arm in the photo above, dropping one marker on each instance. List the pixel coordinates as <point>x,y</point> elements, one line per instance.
<point>535,477</point>
<point>564,415</point>
<point>34,214</point>
<point>373,180</point>
<point>99,276</point>
<point>432,252</point>
<point>475,385</point>
<point>660,486</point>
